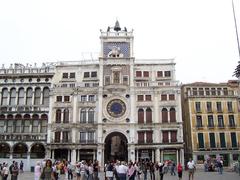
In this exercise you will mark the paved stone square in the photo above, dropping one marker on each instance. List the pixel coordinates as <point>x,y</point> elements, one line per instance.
<point>199,175</point>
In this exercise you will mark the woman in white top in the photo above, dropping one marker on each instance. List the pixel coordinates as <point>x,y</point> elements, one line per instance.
<point>37,171</point>
<point>5,172</point>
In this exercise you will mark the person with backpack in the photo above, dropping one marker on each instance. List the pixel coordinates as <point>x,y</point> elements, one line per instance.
<point>179,170</point>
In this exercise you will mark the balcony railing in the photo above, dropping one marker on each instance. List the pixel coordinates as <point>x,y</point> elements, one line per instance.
<point>23,137</point>
<point>232,125</point>
<point>88,141</point>
<point>61,141</point>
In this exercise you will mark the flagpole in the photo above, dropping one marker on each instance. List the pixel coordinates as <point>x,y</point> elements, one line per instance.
<point>236,29</point>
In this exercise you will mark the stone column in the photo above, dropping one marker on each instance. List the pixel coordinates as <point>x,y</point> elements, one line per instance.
<point>73,156</point>
<point>157,155</point>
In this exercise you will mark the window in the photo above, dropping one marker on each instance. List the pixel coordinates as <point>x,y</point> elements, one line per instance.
<point>66,98</point>
<point>219,107</point>
<point>18,126</point>
<point>125,80</point>
<point>225,91</point>
<point>148,98</point>
<point>4,96</point>
<point>43,126</point>
<point>140,116</point>
<point>83,98</point>
<point>13,96</point>
<point>26,126</point>
<point>83,116</point>
<point>172,115</point>
<point>209,106</point>
<point>201,92</point>
<point>37,96</point>
<point>46,92</point>
<point>65,75</point>
<point>65,136</point>
<point>164,97</point>
<point>58,116</point>
<point>2,123</point>
<point>29,96</point>
<point>200,140</point>
<point>148,115</point>
<point>222,140</point>
<point>57,136</point>
<point>198,106</point>
<point>35,125</point>
<point>167,73</point>
<point>219,91</point>
<point>195,91</point>
<point>66,116</point>
<point>229,105</point>
<point>173,136</point>
<point>94,74</point>
<point>86,75</point>
<point>21,96</point>
<point>9,126</point>
<point>171,97</point>
<point>83,137</point>
<point>199,121</point>
<point>138,73</point>
<point>210,121</point>
<point>140,137</point>
<point>159,74</point>
<point>207,91</point>
<point>213,91</point>
<point>220,121</point>
<point>59,98</point>
<point>149,136</point>
<point>90,116</point>
<point>212,140</point>
<point>145,74</point>
<point>107,80</point>
<point>72,75</point>
<point>234,139</point>
<point>140,97</point>
<point>116,77</point>
<point>231,121</point>
<point>164,115</point>
<point>91,98</point>
<point>165,137</point>
<point>90,137</point>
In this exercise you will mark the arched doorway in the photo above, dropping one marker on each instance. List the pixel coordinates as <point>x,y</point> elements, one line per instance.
<point>4,150</point>
<point>20,150</point>
<point>116,147</point>
<point>37,151</point>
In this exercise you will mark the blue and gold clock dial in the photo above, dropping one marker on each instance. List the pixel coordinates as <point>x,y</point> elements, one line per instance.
<point>116,108</point>
<point>116,49</point>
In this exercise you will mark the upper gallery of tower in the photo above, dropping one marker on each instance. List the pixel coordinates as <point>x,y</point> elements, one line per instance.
<point>116,42</point>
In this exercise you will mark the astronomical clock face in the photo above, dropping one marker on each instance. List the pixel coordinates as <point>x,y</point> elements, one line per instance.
<point>116,49</point>
<point>116,108</point>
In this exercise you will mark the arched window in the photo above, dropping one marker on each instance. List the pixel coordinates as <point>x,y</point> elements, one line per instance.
<point>35,123</point>
<point>83,116</point>
<point>46,96</point>
<point>164,115</point>
<point>140,116</point>
<point>90,116</point>
<point>37,96</point>
<point>148,115</point>
<point>29,96</point>
<point>20,150</point>
<point>66,116</point>
<point>12,96</point>
<point>26,123</point>
<point>58,116</point>
<point>172,115</point>
<point>20,96</point>
<point>4,96</point>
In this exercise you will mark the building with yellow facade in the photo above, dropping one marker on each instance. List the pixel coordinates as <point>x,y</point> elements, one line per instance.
<point>211,123</point>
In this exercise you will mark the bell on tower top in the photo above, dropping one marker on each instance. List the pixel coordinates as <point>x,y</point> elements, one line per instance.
<point>117,26</point>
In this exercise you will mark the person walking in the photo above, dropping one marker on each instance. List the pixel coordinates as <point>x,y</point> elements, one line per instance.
<point>37,171</point>
<point>173,168</point>
<point>47,172</point>
<point>131,172</point>
<point>122,171</point>
<point>179,170</point>
<point>15,171</point>
<point>191,168</point>
<point>5,172</point>
<point>161,170</point>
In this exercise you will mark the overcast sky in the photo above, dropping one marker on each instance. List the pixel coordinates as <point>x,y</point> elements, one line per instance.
<point>199,34</point>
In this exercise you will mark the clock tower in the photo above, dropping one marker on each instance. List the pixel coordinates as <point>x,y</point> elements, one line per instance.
<point>116,63</point>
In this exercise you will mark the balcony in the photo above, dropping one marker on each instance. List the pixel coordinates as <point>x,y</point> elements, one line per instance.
<point>211,126</point>
<point>199,127</point>
<point>62,141</point>
<point>88,141</point>
<point>23,137</point>
<point>232,126</point>
<point>221,126</point>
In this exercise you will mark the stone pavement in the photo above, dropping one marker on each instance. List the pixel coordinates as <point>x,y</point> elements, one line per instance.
<point>199,175</point>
